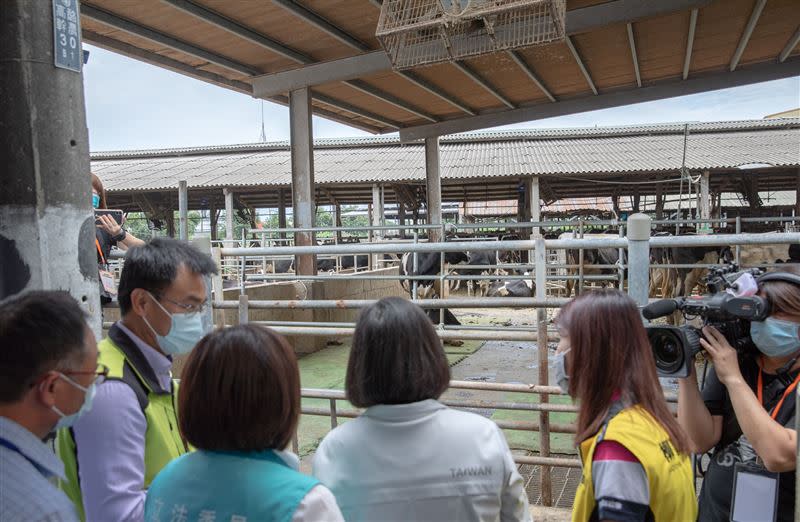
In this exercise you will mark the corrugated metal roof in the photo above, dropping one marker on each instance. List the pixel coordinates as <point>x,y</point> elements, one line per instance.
<point>565,152</point>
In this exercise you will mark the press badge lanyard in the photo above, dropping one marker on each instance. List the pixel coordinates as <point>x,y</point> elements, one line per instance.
<point>100,251</point>
<point>788,390</point>
<point>13,447</point>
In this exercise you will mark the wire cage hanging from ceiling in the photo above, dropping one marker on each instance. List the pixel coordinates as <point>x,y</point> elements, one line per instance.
<point>423,32</point>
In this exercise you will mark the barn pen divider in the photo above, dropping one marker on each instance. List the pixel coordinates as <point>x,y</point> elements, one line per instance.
<point>637,242</point>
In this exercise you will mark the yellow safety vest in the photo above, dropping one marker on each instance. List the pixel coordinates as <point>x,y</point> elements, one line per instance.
<point>672,496</point>
<point>163,441</point>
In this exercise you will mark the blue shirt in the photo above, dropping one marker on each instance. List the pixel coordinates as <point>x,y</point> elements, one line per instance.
<point>227,486</point>
<point>27,467</point>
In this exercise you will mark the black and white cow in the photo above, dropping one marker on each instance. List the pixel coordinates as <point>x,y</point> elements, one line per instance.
<point>428,264</point>
<point>513,288</point>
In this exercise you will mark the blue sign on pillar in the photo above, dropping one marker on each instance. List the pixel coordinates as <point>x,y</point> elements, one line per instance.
<point>67,35</point>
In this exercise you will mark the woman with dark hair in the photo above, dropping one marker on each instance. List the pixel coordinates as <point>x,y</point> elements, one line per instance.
<point>109,233</point>
<point>746,411</point>
<point>634,453</point>
<point>409,457</point>
<point>239,404</point>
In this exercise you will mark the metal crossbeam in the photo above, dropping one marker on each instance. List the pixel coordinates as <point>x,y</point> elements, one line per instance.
<point>690,43</point>
<point>366,88</point>
<point>666,89</point>
<point>147,33</point>
<point>747,33</point>
<point>790,45</point>
<point>632,42</point>
<point>577,57</point>
<point>322,24</point>
<point>464,68</point>
<point>238,29</point>
<point>514,55</point>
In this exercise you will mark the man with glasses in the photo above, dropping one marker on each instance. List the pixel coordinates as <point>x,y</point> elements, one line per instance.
<point>113,452</point>
<point>48,376</point>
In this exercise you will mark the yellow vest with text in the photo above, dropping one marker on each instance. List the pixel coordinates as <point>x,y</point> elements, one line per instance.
<point>669,473</point>
<point>163,442</point>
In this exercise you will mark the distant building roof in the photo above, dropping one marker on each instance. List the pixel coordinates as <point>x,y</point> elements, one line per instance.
<point>480,155</point>
<point>792,113</point>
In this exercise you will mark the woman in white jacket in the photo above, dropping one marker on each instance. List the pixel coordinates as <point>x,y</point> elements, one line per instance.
<point>409,457</point>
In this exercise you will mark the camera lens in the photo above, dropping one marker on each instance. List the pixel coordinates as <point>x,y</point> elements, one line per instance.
<point>667,350</point>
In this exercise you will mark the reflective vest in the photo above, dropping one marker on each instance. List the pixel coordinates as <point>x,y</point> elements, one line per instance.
<point>163,442</point>
<point>669,472</point>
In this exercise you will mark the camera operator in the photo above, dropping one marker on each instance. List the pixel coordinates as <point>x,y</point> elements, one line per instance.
<point>746,410</point>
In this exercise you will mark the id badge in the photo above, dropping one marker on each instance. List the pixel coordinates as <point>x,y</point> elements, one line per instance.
<point>755,494</point>
<point>107,280</point>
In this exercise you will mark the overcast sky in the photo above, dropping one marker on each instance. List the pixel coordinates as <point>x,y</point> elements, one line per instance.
<point>134,105</point>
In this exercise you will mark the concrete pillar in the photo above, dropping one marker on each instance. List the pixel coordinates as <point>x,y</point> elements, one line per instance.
<point>183,210</point>
<point>535,202</point>
<point>212,219</point>
<point>302,143</point>
<point>171,223</point>
<point>228,193</point>
<point>659,201</point>
<point>401,218</point>
<point>433,186</point>
<point>705,202</point>
<point>639,257</point>
<point>46,223</point>
<point>337,221</point>
<point>282,211</point>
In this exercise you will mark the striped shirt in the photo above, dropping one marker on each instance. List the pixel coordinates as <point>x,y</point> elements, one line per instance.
<point>27,468</point>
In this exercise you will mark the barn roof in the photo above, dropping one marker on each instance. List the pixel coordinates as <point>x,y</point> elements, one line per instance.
<point>489,158</point>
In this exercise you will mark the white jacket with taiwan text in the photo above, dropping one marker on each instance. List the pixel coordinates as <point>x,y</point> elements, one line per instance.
<point>421,461</point>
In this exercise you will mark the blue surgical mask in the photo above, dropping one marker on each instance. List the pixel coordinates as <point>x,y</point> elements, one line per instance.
<point>185,331</point>
<point>562,379</point>
<point>66,421</point>
<point>776,337</point>
<point>95,201</point>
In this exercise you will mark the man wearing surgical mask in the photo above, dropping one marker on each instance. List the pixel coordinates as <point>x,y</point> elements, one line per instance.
<point>112,453</point>
<point>746,412</point>
<point>48,375</point>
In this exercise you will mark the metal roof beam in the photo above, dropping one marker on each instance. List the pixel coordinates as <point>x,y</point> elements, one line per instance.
<point>388,122</point>
<point>632,41</point>
<point>580,64</point>
<point>429,87</point>
<point>747,33</point>
<point>335,32</point>
<point>366,88</point>
<point>323,25</point>
<point>464,68</point>
<point>158,60</point>
<point>514,55</point>
<point>141,31</point>
<point>621,11</point>
<point>790,45</point>
<point>690,43</point>
<point>667,89</point>
<point>236,28</point>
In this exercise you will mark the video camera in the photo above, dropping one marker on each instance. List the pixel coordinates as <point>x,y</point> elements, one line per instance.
<point>723,307</point>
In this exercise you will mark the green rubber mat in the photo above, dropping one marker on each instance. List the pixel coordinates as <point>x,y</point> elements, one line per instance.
<point>326,369</point>
<point>559,442</point>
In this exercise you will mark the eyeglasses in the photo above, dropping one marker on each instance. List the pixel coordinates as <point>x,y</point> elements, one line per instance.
<point>190,308</point>
<point>100,373</point>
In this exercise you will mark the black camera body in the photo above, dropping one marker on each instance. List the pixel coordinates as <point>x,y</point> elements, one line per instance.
<point>674,347</point>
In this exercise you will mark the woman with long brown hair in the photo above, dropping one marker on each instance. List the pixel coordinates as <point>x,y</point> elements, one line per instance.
<point>635,455</point>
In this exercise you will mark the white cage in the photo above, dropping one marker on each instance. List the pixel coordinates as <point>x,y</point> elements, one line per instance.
<point>421,32</point>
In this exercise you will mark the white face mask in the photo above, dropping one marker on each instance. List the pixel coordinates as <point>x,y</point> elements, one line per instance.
<point>185,331</point>
<point>65,421</point>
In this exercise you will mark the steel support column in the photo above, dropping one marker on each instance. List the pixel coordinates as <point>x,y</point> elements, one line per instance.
<point>797,196</point>
<point>183,210</point>
<point>535,201</point>
<point>705,204</point>
<point>228,193</point>
<point>433,187</point>
<point>639,258</point>
<point>46,224</point>
<point>303,207</point>
<point>376,215</point>
<point>282,212</point>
